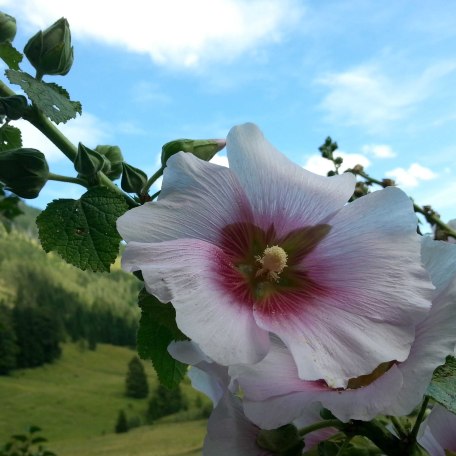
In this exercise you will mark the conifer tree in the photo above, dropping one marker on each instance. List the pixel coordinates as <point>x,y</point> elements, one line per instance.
<point>121,425</point>
<point>136,381</point>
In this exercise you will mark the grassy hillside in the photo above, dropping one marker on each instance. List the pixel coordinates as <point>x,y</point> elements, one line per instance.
<point>76,400</point>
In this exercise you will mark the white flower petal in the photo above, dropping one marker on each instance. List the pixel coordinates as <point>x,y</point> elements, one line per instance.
<point>281,192</point>
<point>198,199</point>
<point>374,292</point>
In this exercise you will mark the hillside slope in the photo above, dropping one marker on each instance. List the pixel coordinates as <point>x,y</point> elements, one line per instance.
<point>76,401</point>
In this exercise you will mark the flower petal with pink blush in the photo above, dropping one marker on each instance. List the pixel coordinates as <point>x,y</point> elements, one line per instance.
<point>439,257</point>
<point>269,248</point>
<point>281,192</point>
<point>230,432</point>
<point>198,199</point>
<point>371,291</point>
<point>185,272</point>
<point>435,336</point>
<point>396,389</point>
<point>273,384</point>
<point>438,432</point>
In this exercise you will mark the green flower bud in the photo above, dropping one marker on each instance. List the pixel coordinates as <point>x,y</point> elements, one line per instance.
<point>113,161</point>
<point>7,28</point>
<point>204,149</point>
<point>284,441</point>
<point>13,107</point>
<point>50,52</point>
<point>24,171</point>
<point>88,162</point>
<point>133,179</point>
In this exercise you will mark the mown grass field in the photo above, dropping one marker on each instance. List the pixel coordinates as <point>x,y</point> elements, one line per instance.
<point>76,401</point>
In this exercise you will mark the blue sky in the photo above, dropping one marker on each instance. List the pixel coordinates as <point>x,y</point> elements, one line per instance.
<point>378,77</point>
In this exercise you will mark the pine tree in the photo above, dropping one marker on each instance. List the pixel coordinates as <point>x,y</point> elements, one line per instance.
<point>8,345</point>
<point>165,402</point>
<point>121,425</point>
<point>136,381</point>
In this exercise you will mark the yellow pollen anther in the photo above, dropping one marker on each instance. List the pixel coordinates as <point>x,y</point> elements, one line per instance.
<point>273,262</point>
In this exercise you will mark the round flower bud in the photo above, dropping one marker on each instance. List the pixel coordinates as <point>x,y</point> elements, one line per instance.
<point>50,52</point>
<point>133,179</point>
<point>13,107</point>
<point>88,162</point>
<point>7,28</point>
<point>204,149</point>
<point>24,171</point>
<point>113,161</point>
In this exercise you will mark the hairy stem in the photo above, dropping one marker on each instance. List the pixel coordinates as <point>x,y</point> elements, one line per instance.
<point>72,180</point>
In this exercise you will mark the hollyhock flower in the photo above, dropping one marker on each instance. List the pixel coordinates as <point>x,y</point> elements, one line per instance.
<point>266,247</point>
<point>438,432</point>
<point>391,389</point>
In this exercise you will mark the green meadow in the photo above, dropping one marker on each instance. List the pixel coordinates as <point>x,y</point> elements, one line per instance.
<point>76,401</point>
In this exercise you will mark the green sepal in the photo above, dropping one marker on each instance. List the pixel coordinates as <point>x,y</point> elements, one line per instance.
<point>8,28</point>
<point>283,441</point>
<point>204,149</point>
<point>443,385</point>
<point>50,51</point>
<point>88,162</point>
<point>13,107</point>
<point>113,160</point>
<point>83,232</point>
<point>133,179</point>
<point>24,171</point>
<point>157,329</point>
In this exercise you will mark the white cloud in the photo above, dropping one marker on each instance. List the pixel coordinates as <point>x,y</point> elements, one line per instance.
<point>176,32</point>
<point>87,129</point>
<point>369,97</point>
<point>411,176</point>
<point>319,165</point>
<point>378,150</point>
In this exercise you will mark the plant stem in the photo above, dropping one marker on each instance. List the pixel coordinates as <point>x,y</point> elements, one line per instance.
<point>73,180</point>
<point>43,124</point>
<point>149,183</point>
<point>419,419</point>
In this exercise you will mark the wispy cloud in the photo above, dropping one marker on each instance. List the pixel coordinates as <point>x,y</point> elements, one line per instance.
<point>378,150</point>
<point>176,32</point>
<point>371,97</point>
<point>412,176</point>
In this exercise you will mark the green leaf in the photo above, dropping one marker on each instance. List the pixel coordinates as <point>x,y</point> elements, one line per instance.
<point>443,385</point>
<point>10,137</point>
<point>157,329</point>
<point>83,232</point>
<point>10,55</point>
<point>53,100</point>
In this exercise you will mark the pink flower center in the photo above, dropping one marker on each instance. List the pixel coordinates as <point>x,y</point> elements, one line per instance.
<point>266,272</point>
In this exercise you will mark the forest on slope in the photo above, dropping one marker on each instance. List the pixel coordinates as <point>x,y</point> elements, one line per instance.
<point>45,301</point>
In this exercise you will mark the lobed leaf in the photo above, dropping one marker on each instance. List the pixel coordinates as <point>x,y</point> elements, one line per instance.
<point>83,232</point>
<point>10,55</point>
<point>52,99</point>
<point>10,137</point>
<point>157,329</point>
